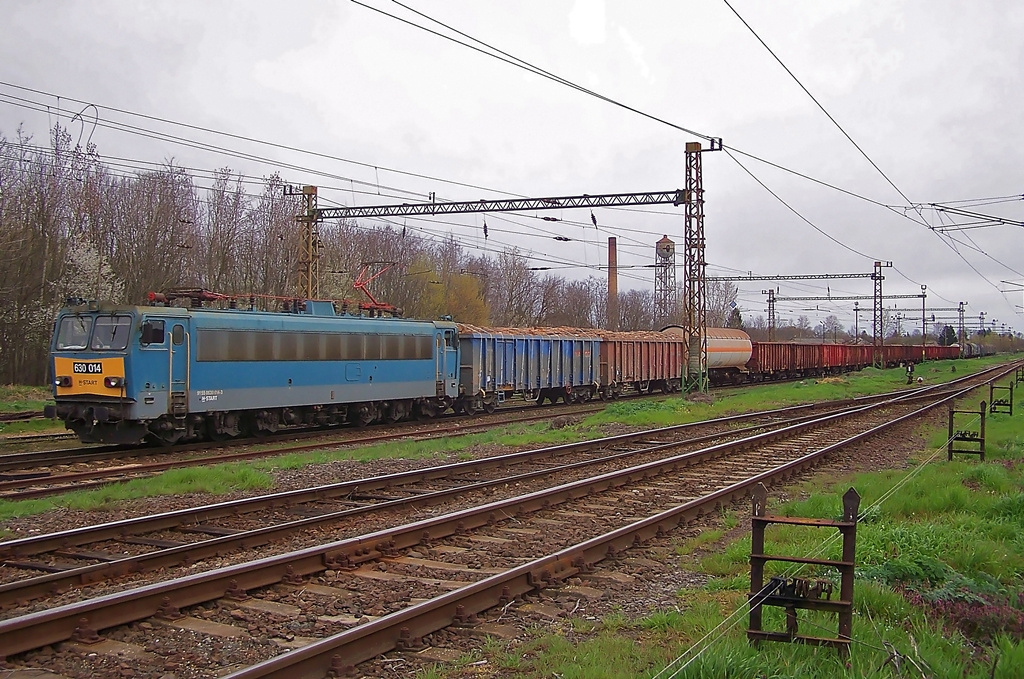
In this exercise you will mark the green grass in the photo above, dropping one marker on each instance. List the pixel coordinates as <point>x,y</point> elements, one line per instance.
<point>258,475</point>
<point>16,398</point>
<point>219,479</point>
<point>36,426</point>
<point>648,413</point>
<point>940,580</point>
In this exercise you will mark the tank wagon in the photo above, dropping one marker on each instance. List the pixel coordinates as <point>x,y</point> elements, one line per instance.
<point>729,353</point>
<point>125,374</point>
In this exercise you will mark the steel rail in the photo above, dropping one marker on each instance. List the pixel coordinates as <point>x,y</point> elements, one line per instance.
<point>46,627</point>
<point>125,527</point>
<point>20,487</point>
<point>20,416</point>
<point>20,591</point>
<point>17,592</point>
<point>13,461</point>
<point>343,651</point>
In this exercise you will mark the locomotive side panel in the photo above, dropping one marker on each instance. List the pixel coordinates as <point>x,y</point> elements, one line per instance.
<point>245,361</point>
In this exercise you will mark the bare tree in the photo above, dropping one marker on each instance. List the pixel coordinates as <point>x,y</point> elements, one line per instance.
<point>513,293</point>
<point>569,303</point>
<point>720,301</point>
<point>833,329</point>
<point>637,310</point>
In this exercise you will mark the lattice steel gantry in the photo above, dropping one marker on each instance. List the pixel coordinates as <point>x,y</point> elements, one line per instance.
<point>877,359</point>
<point>309,247</point>
<point>695,269</point>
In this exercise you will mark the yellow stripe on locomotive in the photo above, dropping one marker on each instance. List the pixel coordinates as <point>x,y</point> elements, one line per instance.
<point>88,376</point>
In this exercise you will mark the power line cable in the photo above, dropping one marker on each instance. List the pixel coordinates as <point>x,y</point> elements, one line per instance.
<point>520,63</point>
<point>253,140</point>
<point>517,62</point>
<point>817,103</point>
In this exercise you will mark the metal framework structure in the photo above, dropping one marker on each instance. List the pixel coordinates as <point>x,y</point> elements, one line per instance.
<point>310,270</point>
<point>771,313</point>
<point>309,250</point>
<point>675,197</point>
<point>961,337</point>
<point>877,358</point>
<point>781,277</point>
<point>799,277</point>
<point>929,309</point>
<point>695,267</point>
<point>843,298</point>
<point>695,271</point>
<point>665,297</point>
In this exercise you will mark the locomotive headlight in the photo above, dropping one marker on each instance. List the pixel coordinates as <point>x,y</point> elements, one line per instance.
<point>63,381</point>
<point>113,382</point>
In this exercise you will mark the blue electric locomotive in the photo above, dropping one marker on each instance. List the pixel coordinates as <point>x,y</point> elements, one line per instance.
<point>125,374</point>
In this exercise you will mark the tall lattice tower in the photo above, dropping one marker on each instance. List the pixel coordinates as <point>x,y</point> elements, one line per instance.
<point>666,297</point>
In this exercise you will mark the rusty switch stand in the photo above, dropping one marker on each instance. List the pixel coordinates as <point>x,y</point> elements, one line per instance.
<point>976,438</point>
<point>798,593</point>
<point>1000,405</point>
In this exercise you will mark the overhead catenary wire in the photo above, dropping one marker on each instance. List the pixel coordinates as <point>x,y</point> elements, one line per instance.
<point>520,63</point>
<point>263,142</point>
<point>147,166</point>
<point>135,129</point>
<point>414,174</point>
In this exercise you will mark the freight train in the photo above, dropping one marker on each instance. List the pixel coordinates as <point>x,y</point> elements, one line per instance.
<point>161,373</point>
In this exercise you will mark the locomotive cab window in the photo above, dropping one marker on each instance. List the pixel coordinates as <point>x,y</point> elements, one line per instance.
<point>74,332</point>
<point>111,333</point>
<point>152,332</point>
<point>178,334</point>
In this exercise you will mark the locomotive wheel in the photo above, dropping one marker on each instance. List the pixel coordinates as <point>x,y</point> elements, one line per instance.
<point>166,439</point>
<point>427,411</point>
<point>365,414</point>
<point>217,435</point>
<point>222,426</point>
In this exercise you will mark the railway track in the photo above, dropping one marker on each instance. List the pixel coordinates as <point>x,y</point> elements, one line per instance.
<point>20,416</point>
<point>34,474</point>
<point>29,461</point>
<point>44,473</point>
<point>453,562</point>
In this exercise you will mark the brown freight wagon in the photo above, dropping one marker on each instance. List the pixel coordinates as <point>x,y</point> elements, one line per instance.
<point>640,362</point>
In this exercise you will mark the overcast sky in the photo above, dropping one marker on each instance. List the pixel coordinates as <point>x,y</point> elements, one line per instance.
<point>931,90</point>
